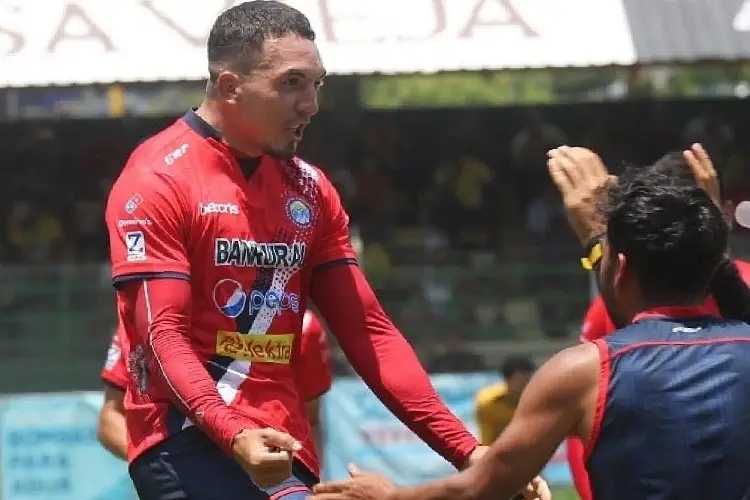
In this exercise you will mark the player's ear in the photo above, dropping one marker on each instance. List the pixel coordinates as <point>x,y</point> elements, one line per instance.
<point>227,86</point>
<point>621,269</point>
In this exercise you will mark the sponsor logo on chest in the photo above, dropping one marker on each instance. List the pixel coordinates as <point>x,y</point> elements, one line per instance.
<point>238,252</point>
<point>256,348</point>
<point>219,208</point>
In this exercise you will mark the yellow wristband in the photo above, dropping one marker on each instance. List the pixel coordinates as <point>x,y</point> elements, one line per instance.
<point>592,259</point>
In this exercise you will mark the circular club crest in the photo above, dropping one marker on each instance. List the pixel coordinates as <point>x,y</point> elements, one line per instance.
<point>299,212</point>
<point>229,298</point>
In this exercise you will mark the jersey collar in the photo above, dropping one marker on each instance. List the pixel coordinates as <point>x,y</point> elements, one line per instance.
<point>676,312</point>
<point>248,166</point>
<point>201,126</point>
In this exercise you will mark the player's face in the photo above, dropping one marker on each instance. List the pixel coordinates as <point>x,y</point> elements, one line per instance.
<point>611,288</point>
<point>278,99</point>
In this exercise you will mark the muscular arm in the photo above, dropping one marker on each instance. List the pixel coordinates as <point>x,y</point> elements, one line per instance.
<point>386,361</point>
<point>557,403</point>
<point>112,432</point>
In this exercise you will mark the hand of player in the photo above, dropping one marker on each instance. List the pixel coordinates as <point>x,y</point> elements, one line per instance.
<point>537,489</point>
<point>579,175</point>
<point>703,170</point>
<point>361,486</point>
<point>265,454</point>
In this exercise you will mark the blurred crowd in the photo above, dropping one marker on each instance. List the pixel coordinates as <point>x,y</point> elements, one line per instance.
<point>462,231</point>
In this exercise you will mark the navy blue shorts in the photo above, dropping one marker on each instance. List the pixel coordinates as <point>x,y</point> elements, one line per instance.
<point>189,466</point>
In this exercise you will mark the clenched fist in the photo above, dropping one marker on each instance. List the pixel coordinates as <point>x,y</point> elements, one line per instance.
<point>266,455</point>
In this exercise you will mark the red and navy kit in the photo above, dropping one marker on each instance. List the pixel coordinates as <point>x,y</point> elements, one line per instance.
<point>671,419</point>
<point>596,325</point>
<point>215,259</point>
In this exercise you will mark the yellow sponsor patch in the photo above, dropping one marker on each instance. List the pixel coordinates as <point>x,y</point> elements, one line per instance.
<point>255,348</point>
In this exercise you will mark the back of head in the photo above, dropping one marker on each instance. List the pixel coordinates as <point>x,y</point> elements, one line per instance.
<point>672,235</point>
<point>239,32</point>
<point>516,364</point>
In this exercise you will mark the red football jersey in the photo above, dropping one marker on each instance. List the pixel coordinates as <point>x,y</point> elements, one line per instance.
<point>115,371</point>
<point>247,242</point>
<point>313,369</point>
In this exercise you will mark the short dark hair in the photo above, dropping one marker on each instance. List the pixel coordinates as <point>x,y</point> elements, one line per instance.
<point>516,364</point>
<point>671,232</point>
<point>673,164</point>
<point>239,32</point>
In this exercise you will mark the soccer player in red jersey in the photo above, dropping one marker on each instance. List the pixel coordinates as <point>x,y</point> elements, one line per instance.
<point>220,238</point>
<point>313,376</point>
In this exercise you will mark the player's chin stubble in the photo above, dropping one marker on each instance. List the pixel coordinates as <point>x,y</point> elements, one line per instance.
<point>282,153</point>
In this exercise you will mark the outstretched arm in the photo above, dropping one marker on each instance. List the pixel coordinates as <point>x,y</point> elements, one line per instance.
<point>386,361</point>
<point>555,404</point>
<point>373,345</point>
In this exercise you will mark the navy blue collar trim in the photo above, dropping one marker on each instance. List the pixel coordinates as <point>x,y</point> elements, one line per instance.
<point>207,131</point>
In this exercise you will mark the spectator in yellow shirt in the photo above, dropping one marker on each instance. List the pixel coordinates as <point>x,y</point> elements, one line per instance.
<point>496,404</point>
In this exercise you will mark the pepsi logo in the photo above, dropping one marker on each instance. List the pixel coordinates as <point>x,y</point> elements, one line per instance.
<point>229,297</point>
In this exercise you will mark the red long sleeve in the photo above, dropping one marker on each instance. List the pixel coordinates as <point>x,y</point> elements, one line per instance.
<point>386,362</point>
<point>161,312</point>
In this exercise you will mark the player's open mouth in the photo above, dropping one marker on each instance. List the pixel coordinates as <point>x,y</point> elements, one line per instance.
<point>298,131</point>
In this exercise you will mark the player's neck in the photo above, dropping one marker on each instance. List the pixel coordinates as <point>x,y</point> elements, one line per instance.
<point>209,112</point>
<point>667,308</point>
<point>513,399</point>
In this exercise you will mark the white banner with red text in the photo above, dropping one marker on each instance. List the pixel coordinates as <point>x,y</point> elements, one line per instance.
<point>66,42</point>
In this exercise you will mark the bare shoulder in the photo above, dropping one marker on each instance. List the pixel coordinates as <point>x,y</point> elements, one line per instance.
<point>573,370</point>
<point>582,356</point>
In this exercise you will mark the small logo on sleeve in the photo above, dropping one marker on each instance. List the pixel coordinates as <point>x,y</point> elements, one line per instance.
<point>175,155</point>
<point>135,243</point>
<point>132,204</point>
<point>137,369</point>
<point>113,356</point>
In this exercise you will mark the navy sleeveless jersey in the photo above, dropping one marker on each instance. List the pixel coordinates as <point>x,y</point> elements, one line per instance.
<point>673,413</point>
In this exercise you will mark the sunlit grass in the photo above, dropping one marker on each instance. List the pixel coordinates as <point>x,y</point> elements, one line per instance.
<point>564,494</point>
